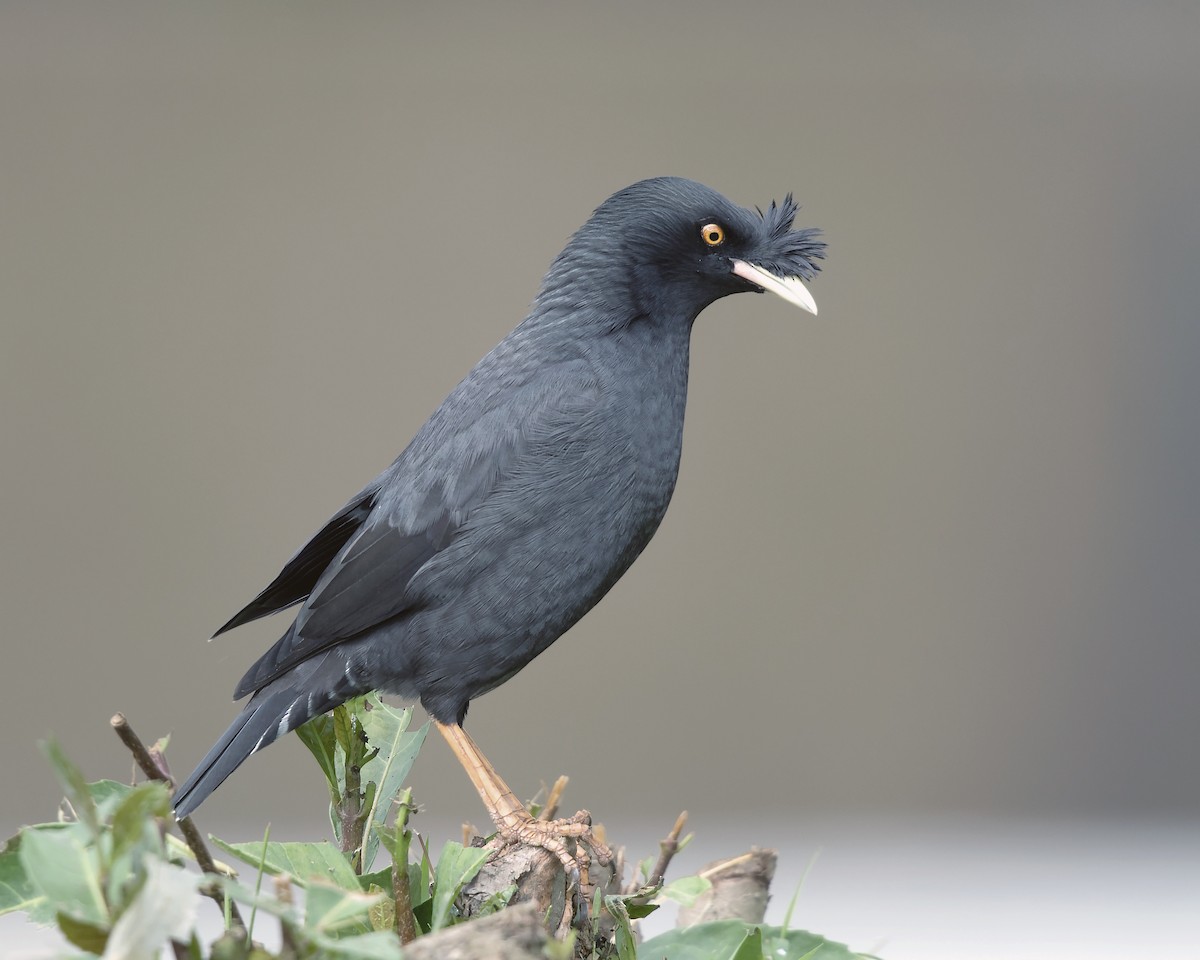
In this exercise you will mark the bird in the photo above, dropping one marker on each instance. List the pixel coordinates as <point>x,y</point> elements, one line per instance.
<point>524,497</point>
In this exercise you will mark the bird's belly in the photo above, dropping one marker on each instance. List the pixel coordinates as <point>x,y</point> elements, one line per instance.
<point>520,582</point>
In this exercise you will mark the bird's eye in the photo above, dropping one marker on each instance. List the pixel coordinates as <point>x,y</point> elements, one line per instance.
<point>713,234</point>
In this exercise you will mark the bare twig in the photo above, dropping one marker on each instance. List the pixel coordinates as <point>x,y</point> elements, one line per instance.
<point>140,754</point>
<point>724,866</point>
<point>553,798</point>
<point>619,867</point>
<point>156,770</point>
<point>667,848</point>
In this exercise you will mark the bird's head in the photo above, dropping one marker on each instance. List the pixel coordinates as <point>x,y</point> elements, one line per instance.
<point>670,247</point>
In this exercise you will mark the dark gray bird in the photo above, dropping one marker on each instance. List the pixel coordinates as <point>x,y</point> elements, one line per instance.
<point>525,496</point>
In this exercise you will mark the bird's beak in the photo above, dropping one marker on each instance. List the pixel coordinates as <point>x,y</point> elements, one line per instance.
<point>790,288</point>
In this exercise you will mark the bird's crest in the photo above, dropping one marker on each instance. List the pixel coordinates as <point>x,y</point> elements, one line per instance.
<point>799,249</point>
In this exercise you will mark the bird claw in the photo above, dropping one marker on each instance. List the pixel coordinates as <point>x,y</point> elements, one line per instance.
<point>551,835</point>
<point>579,902</point>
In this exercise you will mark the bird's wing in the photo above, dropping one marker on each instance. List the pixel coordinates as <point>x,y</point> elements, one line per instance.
<point>301,573</point>
<point>362,587</point>
<point>365,585</point>
<point>422,502</point>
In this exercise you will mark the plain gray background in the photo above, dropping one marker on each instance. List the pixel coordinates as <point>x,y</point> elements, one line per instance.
<point>935,552</point>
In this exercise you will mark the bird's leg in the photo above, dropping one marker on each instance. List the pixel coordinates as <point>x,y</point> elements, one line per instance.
<point>513,822</point>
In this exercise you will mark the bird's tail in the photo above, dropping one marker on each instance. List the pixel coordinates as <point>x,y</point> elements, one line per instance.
<point>277,709</point>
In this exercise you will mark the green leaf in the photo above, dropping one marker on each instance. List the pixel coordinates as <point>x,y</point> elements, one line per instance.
<point>107,795</point>
<point>386,731</point>
<point>455,868</point>
<point>624,907</point>
<point>802,945</point>
<point>383,913</point>
<point>163,910</point>
<point>425,880</point>
<point>86,936</point>
<point>303,861</point>
<point>387,835</point>
<point>380,878</point>
<point>74,785</point>
<point>738,940</point>
<point>345,729</point>
<point>637,911</point>
<point>380,945</point>
<point>258,879</point>
<point>17,892</point>
<point>330,910</point>
<point>418,884</point>
<point>138,809</point>
<point>317,734</point>
<point>258,900</point>
<point>623,937</point>
<point>335,821</point>
<point>61,866</point>
<point>423,914</point>
<point>751,948</point>
<point>496,902</point>
<point>685,890</point>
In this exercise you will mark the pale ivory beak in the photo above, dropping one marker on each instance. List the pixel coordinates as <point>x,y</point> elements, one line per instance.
<point>790,288</point>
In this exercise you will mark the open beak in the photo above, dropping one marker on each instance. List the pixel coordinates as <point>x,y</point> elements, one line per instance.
<point>790,288</point>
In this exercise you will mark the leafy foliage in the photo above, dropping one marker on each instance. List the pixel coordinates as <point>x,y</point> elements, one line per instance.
<point>115,882</point>
<point>738,940</point>
<point>456,867</point>
<point>103,875</point>
<point>365,751</point>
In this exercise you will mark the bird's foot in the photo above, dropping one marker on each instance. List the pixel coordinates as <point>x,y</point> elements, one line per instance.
<point>515,824</point>
<point>519,826</point>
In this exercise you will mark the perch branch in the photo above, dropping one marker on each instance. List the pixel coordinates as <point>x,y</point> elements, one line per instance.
<point>740,890</point>
<point>513,934</point>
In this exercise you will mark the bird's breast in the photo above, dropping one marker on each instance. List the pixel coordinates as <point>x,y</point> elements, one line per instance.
<point>642,420</point>
<point>570,513</point>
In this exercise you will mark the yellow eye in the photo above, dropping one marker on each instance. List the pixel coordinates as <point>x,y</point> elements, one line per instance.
<point>713,234</point>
